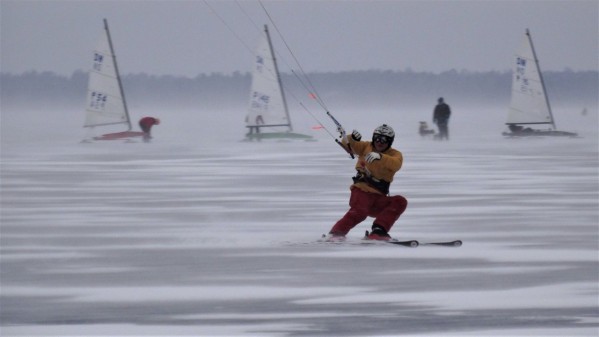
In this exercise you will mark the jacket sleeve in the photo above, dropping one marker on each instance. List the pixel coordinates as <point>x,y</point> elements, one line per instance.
<point>358,147</point>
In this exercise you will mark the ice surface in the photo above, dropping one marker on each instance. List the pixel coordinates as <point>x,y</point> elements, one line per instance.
<point>199,233</point>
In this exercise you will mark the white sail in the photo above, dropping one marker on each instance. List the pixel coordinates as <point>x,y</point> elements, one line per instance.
<point>529,104</point>
<point>267,107</point>
<point>105,103</point>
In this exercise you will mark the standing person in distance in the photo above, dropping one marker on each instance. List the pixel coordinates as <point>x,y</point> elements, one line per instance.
<point>441,118</point>
<point>376,165</point>
<point>146,124</point>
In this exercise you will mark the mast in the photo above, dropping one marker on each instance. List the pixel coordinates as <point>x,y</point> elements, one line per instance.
<point>118,75</point>
<point>534,54</point>
<point>274,60</point>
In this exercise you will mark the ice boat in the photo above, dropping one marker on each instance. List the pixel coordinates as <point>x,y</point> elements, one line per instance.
<point>105,103</point>
<point>529,103</point>
<point>268,115</point>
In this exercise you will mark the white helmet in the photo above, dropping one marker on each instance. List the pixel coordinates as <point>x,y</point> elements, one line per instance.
<point>384,130</point>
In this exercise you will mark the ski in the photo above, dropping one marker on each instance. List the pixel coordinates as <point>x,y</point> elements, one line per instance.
<point>404,243</point>
<point>415,243</point>
<point>455,243</point>
<point>408,243</point>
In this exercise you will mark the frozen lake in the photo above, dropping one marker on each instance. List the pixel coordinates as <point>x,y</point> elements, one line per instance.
<point>219,237</point>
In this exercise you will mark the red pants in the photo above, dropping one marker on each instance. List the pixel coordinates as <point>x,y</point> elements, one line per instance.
<point>386,210</point>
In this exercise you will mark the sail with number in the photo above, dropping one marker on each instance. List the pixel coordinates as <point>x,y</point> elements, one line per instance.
<point>268,115</point>
<point>105,100</point>
<point>529,102</point>
<point>105,97</point>
<point>268,107</point>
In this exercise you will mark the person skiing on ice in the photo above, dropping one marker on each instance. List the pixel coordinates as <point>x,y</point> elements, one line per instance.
<point>377,164</point>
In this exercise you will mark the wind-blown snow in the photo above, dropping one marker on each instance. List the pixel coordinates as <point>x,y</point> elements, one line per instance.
<point>201,234</point>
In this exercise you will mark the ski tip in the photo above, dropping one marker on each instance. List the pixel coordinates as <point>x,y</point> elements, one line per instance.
<point>457,243</point>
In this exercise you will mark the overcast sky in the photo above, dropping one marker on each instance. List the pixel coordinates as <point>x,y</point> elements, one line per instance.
<point>193,37</point>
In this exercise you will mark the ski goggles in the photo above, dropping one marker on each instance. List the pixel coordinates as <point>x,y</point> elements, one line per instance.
<point>381,139</point>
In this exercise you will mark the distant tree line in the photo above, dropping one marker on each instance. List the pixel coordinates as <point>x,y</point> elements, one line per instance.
<point>356,88</point>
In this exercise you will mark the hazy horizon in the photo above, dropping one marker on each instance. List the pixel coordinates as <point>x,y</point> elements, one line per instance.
<point>187,38</point>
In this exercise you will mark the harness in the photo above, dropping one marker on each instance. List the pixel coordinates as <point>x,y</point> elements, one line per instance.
<point>380,185</point>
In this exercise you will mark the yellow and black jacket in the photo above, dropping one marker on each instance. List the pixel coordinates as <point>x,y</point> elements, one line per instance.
<point>374,177</point>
